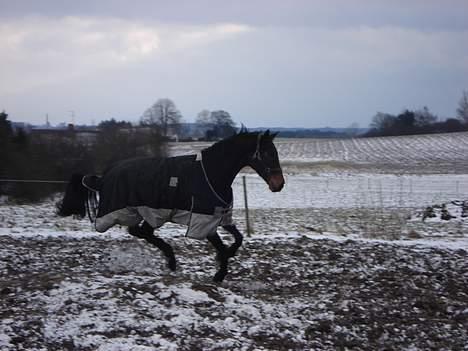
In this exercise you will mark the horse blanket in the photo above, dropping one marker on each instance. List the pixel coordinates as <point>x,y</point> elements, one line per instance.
<point>160,190</point>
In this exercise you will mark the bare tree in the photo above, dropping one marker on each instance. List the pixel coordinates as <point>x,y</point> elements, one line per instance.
<point>424,117</point>
<point>163,113</point>
<point>382,121</point>
<point>462,110</point>
<point>203,122</point>
<point>204,118</point>
<point>222,117</point>
<point>224,126</point>
<point>216,124</point>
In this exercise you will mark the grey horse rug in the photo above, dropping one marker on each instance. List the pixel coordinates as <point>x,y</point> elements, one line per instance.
<point>160,190</point>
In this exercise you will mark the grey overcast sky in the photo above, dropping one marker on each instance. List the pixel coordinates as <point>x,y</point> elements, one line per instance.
<point>268,63</point>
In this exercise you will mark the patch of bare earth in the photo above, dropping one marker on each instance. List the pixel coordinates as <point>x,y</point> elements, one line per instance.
<point>282,294</point>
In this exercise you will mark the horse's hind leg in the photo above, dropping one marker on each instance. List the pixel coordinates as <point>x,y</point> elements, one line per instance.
<point>145,231</point>
<point>222,257</point>
<point>238,238</point>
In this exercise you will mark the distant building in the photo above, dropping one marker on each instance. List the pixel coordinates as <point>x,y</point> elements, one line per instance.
<point>80,135</point>
<point>21,125</point>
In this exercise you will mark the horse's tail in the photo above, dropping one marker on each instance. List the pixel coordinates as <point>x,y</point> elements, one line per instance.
<point>78,199</point>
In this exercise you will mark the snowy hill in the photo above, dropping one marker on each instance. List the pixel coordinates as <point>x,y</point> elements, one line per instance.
<point>432,153</point>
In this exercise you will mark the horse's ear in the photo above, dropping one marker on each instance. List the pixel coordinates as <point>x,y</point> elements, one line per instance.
<point>243,129</point>
<point>267,133</point>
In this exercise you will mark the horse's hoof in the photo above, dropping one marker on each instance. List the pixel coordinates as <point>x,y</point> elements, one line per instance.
<point>219,277</point>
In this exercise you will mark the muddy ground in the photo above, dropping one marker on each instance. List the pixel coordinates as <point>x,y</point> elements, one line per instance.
<point>283,292</point>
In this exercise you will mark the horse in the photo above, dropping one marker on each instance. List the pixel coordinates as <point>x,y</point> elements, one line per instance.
<point>195,190</point>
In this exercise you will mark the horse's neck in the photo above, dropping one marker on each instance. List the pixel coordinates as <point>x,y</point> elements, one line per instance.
<point>222,170</point>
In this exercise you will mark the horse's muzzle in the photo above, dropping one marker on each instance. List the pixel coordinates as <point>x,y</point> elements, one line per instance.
<point>276,182</point>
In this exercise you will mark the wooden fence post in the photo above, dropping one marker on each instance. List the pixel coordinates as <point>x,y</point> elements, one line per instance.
<point>246,205</point>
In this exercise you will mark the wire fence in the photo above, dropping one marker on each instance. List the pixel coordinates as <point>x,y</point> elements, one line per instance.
<point>32,181</point>
<point>376,191</point>
<point>334,191</point>
<point>334,203</point>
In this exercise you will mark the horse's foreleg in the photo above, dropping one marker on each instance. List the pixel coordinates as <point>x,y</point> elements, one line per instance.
<point>231,250</point>
<point>145,231</point>
<point>222,256</point>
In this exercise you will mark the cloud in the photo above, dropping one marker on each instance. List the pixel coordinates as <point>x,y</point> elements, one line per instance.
<point>309,75</point>
<point>38,51</point>
<point>367,47</point>
<point>113,67</point>
<point>427,14</point>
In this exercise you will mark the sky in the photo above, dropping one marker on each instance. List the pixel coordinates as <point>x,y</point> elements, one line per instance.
<point>269,63</point>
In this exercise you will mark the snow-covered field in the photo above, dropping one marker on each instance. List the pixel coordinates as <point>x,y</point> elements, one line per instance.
<point>341,259</point>
<point>363,190</point>
<point>422,154</point>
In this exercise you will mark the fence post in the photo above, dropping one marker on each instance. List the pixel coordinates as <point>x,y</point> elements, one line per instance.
<point>246,205</point>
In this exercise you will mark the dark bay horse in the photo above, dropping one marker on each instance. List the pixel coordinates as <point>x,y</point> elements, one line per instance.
<point>194,190</point>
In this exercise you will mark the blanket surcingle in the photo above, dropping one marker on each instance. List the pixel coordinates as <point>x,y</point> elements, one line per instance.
<point>160,190</point>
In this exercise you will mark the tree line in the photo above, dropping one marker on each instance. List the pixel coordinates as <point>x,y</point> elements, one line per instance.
<point>57,156</point>
<point>420,121</point>
<point>164,116</point>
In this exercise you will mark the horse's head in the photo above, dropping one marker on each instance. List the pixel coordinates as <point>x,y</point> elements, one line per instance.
<point>265,162</point>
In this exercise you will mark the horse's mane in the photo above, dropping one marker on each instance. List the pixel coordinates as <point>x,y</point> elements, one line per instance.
<point>242,134</point>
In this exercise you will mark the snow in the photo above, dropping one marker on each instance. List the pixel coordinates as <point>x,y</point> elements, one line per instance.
<point>303,292</point>
<point>422,154</point>
<point>335,190</point>
<point>341,259</point>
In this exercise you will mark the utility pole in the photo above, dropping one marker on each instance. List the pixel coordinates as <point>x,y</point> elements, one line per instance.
<point>72,112</point>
